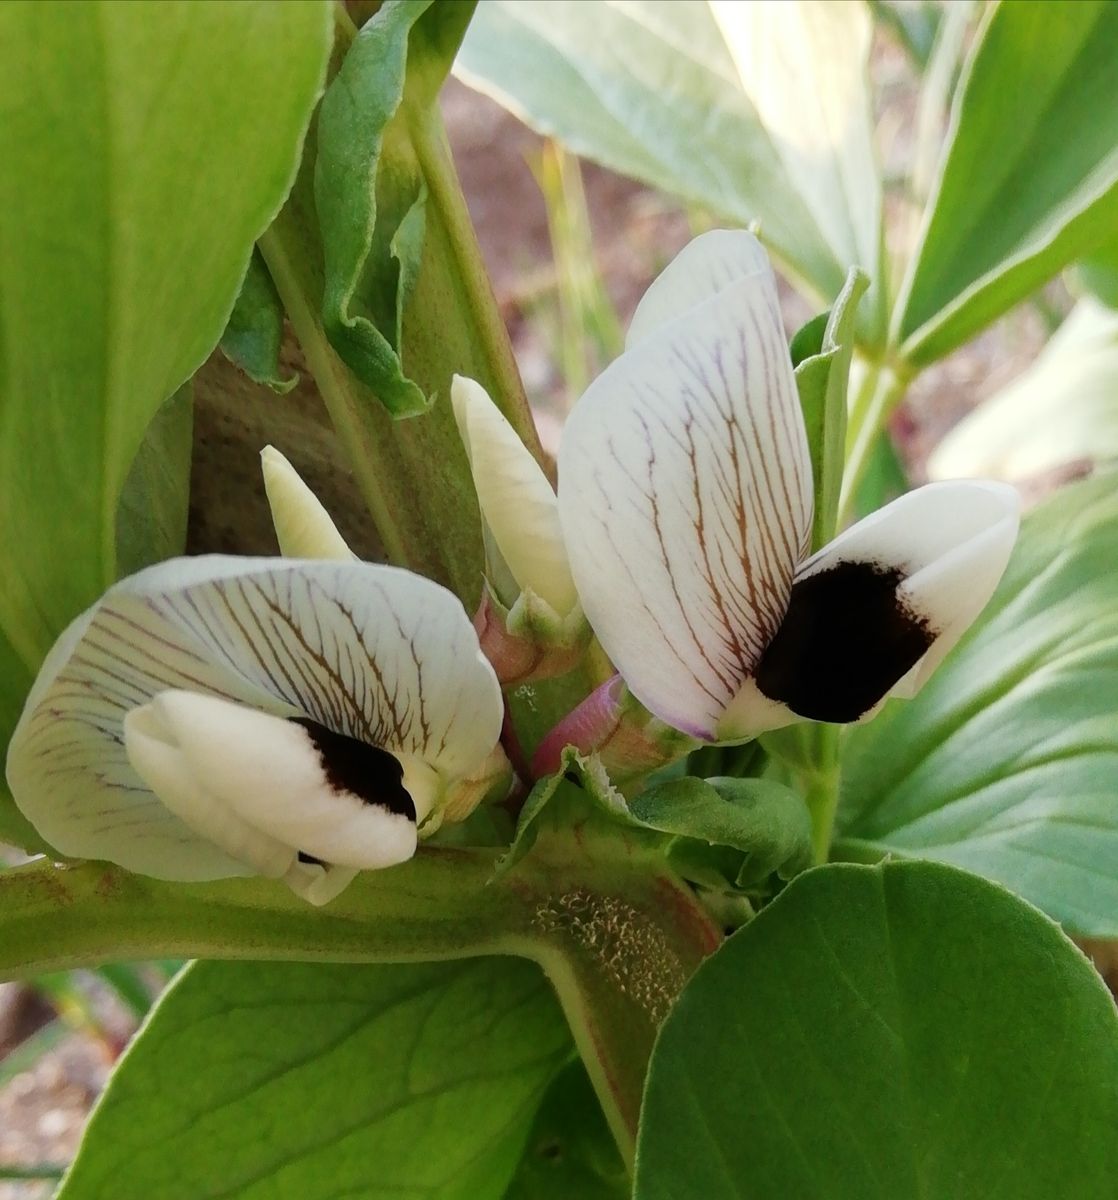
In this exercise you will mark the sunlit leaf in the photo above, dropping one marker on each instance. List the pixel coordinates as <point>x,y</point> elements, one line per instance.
<point>1007,762</point>
<point>650,88</point>
<point>1061,410</point>
<point>908,1030</point>
<point>1029,178</point>
<point>316,1081</point>
<point>145,146</point>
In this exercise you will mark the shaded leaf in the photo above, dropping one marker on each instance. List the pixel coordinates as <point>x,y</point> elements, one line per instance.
<point>1006,763</point>
<point>254,333</point>
<point>1062,409</point>
<point>317,1080</point>
<point>155,500</point>
<point>907,1030</point>
<point>370,189</point>
<point>1029,178</point>
<point>570,1151</point>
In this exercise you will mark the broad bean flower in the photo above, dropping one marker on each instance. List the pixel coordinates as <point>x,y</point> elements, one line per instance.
<point>685,505</point>
<point>296,719</point>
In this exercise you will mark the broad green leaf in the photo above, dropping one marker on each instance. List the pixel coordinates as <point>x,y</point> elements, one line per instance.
<point>876,1033</point>
<point>154,503</point>
<point>370,188</point>
<point>1006,764</point>
<point>1062,409</point>
<point>1029,178</point>
<point>145,146</point>
<point>254,334</point>
<point>650,88</point>
<point>821,381</point>
<point>570,1152</point>
<point>318,1081</point>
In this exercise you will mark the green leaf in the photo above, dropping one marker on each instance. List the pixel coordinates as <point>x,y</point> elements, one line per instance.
<point>1061,410</point>
<point>652,90</point>
<point>807,341</point>
<point>821,380</point>
<point>1029,178</point>
<point>570,1151</point>
<point>145,146</point>
<point>316,1081</point>
<point>1006,763</point>
<point>370,189</point>
<point>154,503</point>
<point>254,334</point>
<point>901,1031</point>
<point>766,823</point>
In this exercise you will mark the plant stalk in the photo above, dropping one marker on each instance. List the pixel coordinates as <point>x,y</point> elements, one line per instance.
<point>617,936</point>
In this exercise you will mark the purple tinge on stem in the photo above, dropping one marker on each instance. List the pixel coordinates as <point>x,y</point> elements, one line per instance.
<point>589,727</point>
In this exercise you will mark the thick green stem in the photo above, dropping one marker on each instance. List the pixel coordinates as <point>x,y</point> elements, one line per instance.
<point>822,791</point>
<point>617,936</point>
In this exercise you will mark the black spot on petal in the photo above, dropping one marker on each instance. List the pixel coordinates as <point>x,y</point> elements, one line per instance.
<point>846,639</point>
<point>371,774</point>
<point>310,859</point>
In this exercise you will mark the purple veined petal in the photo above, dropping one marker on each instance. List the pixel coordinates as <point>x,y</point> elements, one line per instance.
<point>706,266</point>
<point>874,612</point>
<point>685,494</point>
<point>372,652</point>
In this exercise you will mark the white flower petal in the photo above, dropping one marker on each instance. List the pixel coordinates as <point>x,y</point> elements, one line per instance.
<point>685,493</point>
<point>161,764</point>
<point>339,801</point>
<point>303,526</point>
<point>704,267</point>
<point>516,500</point>
<point>878,608</point>
<point>369,651</point>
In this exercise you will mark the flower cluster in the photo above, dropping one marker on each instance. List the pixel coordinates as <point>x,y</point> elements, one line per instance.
<point>307,717</point>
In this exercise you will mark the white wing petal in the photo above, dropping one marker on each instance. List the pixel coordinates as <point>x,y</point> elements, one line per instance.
<point>706,266</point>
<point>303,526</point>
<point>269,775</point>
<point>685,495</point>
<point>370,651</point>
<point>516,500</point>
<point>877,609</point>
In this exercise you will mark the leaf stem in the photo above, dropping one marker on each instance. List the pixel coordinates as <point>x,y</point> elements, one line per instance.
<point>822,791</point>
<point>617,935</point>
